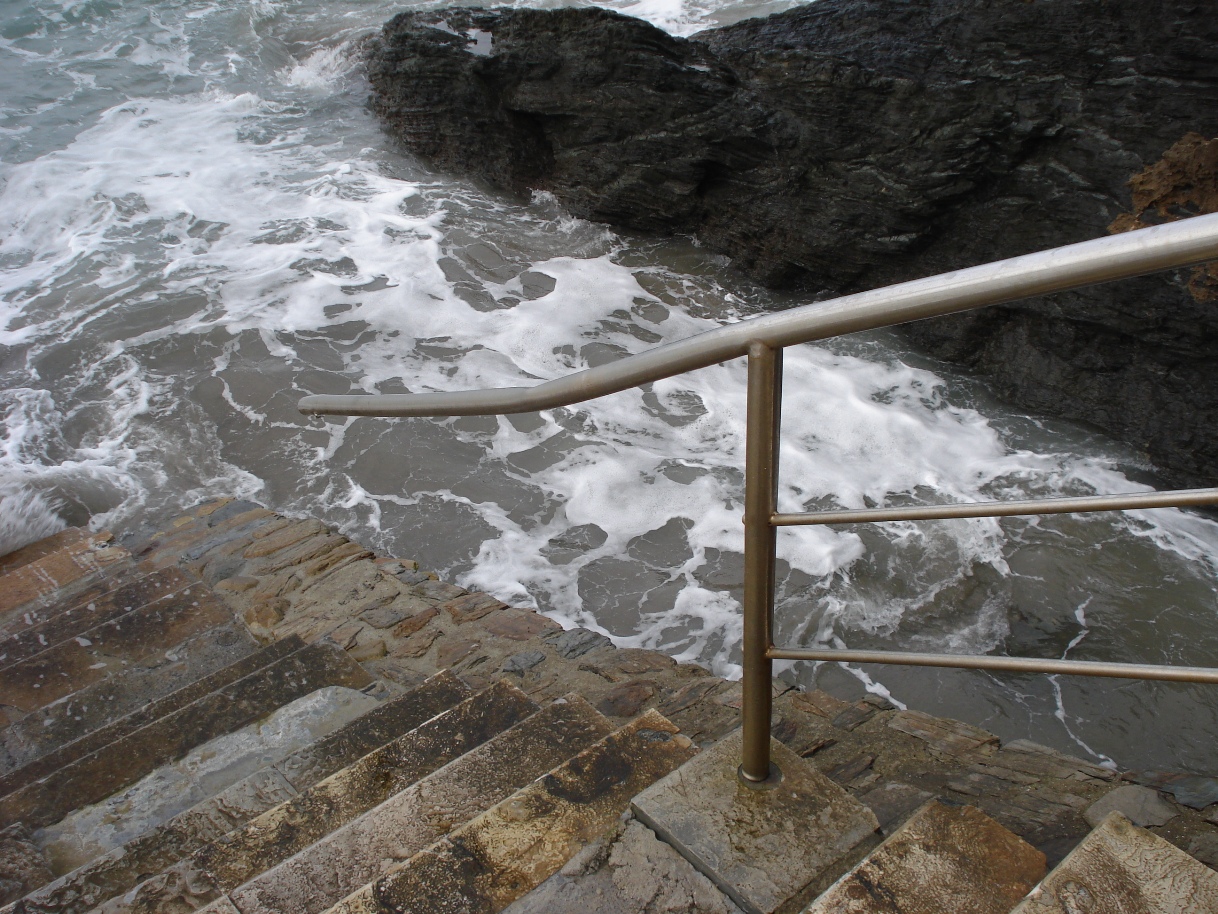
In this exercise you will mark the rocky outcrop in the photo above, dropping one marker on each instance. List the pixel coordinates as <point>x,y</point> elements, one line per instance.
<point>848,144</point>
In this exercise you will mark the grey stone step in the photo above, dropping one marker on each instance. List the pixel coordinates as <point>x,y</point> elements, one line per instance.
<point>407,822</point>
<point>289,828</point>
<point>102,650</point>
<point>85,614</point>
<point>944,858</point>
<point>202,773</point>
<point>93,740</point>
<point>47,581</point>
<point>129,758</point>
<point>102,703</point>
<point>123,868</point>
<point>1122,869</point>
<point>764,849</point>
<point>510,849</point>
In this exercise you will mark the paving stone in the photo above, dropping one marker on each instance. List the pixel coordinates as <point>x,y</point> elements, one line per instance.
<point>1122,869</point>
<point>632,873</point>
<point>1140,805</point>
<point>126,760</point>
<point>207,769</point>
<point>41,548</point>
<point>285,830</point>
<point>369,650</point>
<point>577,642</point>
<point>948,736</point>
<point>626,699</point>
<point>1025,762</point>
<point>414,622</point>
<point>523,662</point>
<point>97,653</point>
<point>855,715</point>
<point>83,616</point>
<point>46,578</point>
<point>1196,791</point>
<point>384,616</point>
<point>453,650</point>
<point>408,822</point>
<point>516,845</point>
<point>288,536</point>
<point>417,644</point>
<point>760,847</point>
<point>893,803</point>
<point>472,606</point>
<point>943,859</point>
<point>519,624</point>
<point>77,718</point>
<point>439,591</point>
<point>820,702</point>
<point>123,693</point>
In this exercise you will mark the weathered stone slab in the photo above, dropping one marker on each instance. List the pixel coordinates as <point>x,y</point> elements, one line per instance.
<point>41,548</point>
<point>289,828</point>
<point>472,606</point>
<point>82,713</point>
<point>1197,791</point>
<point>216,765</point>
<point>944,859</point>
<point>22,865</point>
<point>98,652</point>
<point>126,760</point>
<point>406,823</point>
<point>1122,869</point>
<point>122,869</point>
<point>634,872</point>
<point>760,847</point>
<point>47,577</point>
<point>516,845</point>
<point>1140,805</point>
<point>948,736</point>
<point>1023,761</point>
<point>86,615</point>
<point>893,803</point>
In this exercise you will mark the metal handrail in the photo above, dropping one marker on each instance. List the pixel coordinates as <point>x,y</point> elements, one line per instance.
<point>762,339</point>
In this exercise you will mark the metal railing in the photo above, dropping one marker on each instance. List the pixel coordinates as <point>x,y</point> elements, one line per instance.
<point>762,339</point>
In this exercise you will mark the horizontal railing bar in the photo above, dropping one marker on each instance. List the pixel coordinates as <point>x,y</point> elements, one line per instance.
<point>1150,671</point>
<point>1177,498</point>
<point>1161,247</point>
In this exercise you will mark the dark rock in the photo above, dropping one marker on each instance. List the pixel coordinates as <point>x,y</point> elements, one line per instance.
<point>848,144</point>
<point>577,642</point>
<point>523,662</point>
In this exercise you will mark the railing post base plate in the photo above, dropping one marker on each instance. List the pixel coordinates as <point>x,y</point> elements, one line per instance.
<point>769,782</point>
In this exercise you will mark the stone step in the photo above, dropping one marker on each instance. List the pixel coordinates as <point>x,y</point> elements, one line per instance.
<point>48,607</point>
<point>766,849</point>
<point>126,760</point>
<point>507,851</point>
<point>944,858</point>
<point>406,823</point>
<point>83,615</point>
<point>202,773</point>
<point>43,547</point>
<point>49,578</point>
<point>103,650</point>
<point>101,704</point>
<point>1122,869</point>
<point>121,869</point>
<point>289,828</point>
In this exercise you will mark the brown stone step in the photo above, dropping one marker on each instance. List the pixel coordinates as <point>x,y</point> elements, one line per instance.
<point>501,855</point>
<point>148,713</point>
<point>104,702</point>
<point>289,828</point>
<point>128,759</point>
<point>48,578</point>
<point>89,588</point>
<point>1122,869</point>
<point>406,823</point>
<point>122,869</point>
<point>944,858</point>
<point>43,547</point>
<point>102,650</point>
<point>89,613</point>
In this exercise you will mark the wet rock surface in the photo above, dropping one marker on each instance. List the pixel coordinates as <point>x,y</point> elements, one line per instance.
<point>848,144</point>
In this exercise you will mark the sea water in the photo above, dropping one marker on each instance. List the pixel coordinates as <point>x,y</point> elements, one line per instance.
<point>200,222</point>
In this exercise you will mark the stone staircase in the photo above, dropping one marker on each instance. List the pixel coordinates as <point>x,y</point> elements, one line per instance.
<point>243,713</point>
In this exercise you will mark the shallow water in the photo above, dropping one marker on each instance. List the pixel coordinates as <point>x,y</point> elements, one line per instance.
<point>200,222</point>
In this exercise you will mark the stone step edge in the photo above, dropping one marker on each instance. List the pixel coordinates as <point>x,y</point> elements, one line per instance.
<point>293,825</point>
<point>83,561</point>
<point>40,809</point>
<point>549,737</point>
<point>172,837</point>
<point>459,850</point>
<point>31,552</point>
<point>96,740</point>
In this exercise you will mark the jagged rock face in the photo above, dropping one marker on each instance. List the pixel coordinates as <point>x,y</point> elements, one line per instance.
<point>848,144</point>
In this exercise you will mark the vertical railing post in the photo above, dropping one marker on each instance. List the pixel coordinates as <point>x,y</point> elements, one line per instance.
<point>760,503</point>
